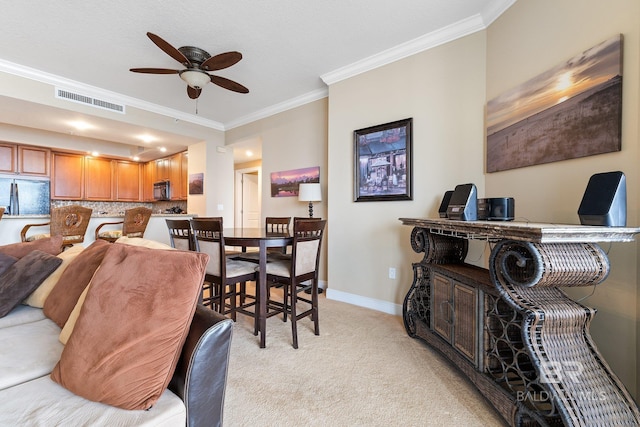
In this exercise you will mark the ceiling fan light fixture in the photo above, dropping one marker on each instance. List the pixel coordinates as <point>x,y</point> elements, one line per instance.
<point>195,78</point>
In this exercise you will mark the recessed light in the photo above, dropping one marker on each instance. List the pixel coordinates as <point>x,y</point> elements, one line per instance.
<point>147,138</point>
<point>163,149</point>
<point>80,125</point>
<point>136,158</point>
<point>249,153</point>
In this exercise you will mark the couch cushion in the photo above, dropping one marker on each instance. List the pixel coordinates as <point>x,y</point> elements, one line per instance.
<point>29,351</point>
<point>39,296</point>
<point>42,402</point>
<point>132,325</point>
<point>21,314</point>
<point>74,279</point>
<point>50,245</point>
<point>23,277</point>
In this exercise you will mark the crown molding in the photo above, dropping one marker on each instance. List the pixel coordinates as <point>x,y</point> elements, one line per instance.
<point>62,82</point>
<point>495,9</point>
<point>279,108</point>
<point>428,41</point>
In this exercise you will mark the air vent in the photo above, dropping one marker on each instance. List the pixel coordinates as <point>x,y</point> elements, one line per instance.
<point>89,100</point>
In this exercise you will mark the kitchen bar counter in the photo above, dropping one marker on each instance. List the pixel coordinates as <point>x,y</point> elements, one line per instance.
<point>10,226</point>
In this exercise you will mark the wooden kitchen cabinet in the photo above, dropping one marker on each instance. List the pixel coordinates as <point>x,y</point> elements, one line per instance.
<point>177,178</point>
<point>98,182</point>
<point>163,169</point>
<point>128,181</point>
<point>8,154</point>
<point>24,160</point>
<point>149,177</point>
<point>67,176</point>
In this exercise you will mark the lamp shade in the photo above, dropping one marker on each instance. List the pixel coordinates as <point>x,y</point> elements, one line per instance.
<point>195,79</point>
<point>310,192</point>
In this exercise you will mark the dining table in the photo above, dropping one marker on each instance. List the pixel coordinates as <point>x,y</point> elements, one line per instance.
<point>262,239</point>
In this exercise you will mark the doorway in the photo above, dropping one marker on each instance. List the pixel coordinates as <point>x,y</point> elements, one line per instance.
<point>247,214</point>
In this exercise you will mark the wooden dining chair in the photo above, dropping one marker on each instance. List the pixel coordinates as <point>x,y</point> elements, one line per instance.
<point>180,234</point>
<point>299,273</point>
<point>70,222</point>
<point>134,224</point>
<point>2,211</point>
<point>223,273</point>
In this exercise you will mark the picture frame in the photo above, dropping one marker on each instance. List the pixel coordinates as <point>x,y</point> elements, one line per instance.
<point>383,164</point>
<point>286,183</point>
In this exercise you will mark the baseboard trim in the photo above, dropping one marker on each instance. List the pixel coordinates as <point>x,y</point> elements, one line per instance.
<point>374,304</point>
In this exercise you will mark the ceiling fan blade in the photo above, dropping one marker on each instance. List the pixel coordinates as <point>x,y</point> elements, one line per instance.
<point>168,49</point>
<point>229,84</point>
<point>154,70</point>
<point>193,93</point>
<point>223,60</point>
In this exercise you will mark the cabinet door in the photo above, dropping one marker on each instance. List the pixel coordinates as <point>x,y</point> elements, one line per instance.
<point>162,169</point>
<point>67,176</point>
<point>178,184</point>
<point>98,179</point>
<point>465,331</point>
<point>148,180</point>
<point>128,181</point>
<point>33,160</point>
<point>8,158</point>
<point>442,306</point>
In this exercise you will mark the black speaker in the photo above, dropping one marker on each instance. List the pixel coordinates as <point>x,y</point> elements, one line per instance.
<point>464,203</point>
<point>501,209</point>
<point>442,210</point>
<point>605,200</point>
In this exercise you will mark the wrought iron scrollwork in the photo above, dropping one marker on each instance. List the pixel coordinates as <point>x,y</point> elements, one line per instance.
<point>417,301</point>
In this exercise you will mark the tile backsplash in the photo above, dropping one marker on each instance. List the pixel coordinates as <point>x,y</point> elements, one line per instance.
<point>118,208</point>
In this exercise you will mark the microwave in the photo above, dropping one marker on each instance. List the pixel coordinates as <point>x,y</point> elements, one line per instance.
<point>161,190</point>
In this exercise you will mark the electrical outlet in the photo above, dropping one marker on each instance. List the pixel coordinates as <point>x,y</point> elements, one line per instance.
<point>392,273</point>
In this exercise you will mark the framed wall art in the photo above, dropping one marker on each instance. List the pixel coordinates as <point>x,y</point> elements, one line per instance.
<point>286,183</point>
<point>572,110</point>
<point>382,162</point>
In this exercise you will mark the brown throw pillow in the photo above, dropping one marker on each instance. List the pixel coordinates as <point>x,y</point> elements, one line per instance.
<point>50,245</point>
<point>131,328</point>
<point>74,279</point>
<point>25,275</point>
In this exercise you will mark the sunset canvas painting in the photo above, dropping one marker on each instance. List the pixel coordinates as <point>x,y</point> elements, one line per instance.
<point>572,110</point>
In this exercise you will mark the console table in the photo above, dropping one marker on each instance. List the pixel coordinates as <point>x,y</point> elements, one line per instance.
<point>510,329</point>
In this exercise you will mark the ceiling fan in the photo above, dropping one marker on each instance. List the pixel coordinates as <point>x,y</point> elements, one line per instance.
<point>196,62</point>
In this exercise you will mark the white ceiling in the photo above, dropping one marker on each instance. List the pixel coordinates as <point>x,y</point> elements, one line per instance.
<point>291,50</point>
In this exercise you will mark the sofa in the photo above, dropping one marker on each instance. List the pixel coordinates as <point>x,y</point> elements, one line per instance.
<point>132,346</point>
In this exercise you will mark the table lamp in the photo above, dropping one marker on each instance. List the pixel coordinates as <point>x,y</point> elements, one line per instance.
<point>310,193</point>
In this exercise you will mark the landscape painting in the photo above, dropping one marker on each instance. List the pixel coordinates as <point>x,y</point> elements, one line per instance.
<point>286,183</point>
<point>196,183</point>
<point>573,110</point>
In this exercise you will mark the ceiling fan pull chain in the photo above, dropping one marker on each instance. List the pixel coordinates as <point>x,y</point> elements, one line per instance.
<point>196,105</point>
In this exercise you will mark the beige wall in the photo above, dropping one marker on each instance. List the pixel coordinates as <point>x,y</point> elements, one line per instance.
<point>293,139</point>
<point>531,37</point>
<point>443,90</point>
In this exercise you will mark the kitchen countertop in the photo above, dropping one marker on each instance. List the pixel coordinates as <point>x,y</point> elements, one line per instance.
<point>116,215</point>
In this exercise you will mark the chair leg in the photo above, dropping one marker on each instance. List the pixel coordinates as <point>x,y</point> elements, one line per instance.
<point>314,307</point>
<point>294,317</point>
